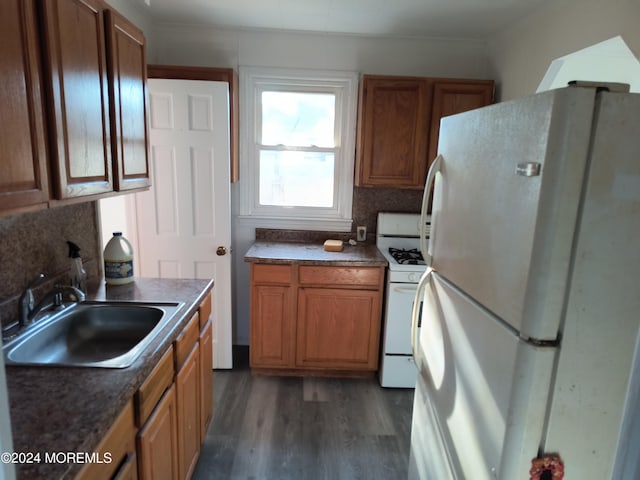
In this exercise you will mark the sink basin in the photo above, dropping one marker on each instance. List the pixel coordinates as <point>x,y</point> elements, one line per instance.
<point>91,334</point>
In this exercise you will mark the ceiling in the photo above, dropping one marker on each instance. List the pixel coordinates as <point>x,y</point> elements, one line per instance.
<point>424,18</point>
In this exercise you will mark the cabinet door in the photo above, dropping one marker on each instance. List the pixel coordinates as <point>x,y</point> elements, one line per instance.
<point>128,469</point>
<point>451,97</point>
<point>272,332</point>
<point>128,92</point>
<point>75,60</point>
<point>188,407</point>
<point>23,169</point>
<point>119,443</point>
<point>206,378</point>
<point>158,441</point>
<point>393,126</point>
<point>338,328</point>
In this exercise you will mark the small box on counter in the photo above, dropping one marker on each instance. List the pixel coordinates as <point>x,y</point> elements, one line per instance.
<point>333,245</point>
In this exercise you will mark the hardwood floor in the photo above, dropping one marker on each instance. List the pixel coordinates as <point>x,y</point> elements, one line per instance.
<point>278,428</point>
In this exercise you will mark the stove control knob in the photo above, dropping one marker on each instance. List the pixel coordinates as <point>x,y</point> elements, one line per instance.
<point>413,277</point>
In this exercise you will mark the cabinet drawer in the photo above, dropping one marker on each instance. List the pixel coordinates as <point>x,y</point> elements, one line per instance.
<point>154,386</point>
<point>187,339</point>
<point>353,276</point>
<point>271,273</point>
<point>119,442</point>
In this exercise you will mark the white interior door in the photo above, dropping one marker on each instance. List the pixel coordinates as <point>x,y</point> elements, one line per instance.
<point>183,222</point>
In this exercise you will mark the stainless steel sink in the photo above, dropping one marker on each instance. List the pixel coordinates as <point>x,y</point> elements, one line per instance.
<point>91,334</point>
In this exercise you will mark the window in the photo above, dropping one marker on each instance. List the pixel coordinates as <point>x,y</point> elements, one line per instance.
<point>298,147</point>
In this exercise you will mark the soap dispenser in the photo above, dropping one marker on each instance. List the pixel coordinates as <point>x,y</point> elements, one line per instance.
<point>77,274</point>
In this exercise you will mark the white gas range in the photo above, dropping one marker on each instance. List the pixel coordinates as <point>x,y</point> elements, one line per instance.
<point>397,238</point>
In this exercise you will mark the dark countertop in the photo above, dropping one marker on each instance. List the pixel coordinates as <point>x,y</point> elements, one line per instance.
<point>69,409</point>
<point>311,253</point>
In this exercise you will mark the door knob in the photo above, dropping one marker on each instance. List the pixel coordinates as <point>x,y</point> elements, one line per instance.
<point>220,251</point>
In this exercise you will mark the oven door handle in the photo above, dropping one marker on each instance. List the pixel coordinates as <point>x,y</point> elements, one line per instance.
<point>416,311</point>
<point>436,167</point>
<point>404,290</point>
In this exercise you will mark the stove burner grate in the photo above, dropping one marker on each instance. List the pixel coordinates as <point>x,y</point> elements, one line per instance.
<point>407,257</point>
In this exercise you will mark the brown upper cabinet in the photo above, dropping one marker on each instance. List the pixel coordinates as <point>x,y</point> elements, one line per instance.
<point>24,182</point>
<point>126,55</point>
<point>97,96</point>
<point>76,76</point>
<point>455,96</point>
<point>399,121</point>
<point>393,130</point>
<point>73,103</point>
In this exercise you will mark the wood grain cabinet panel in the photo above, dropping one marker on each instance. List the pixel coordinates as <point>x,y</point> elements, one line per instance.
<point>272,332</point>
<point>120,444</point>
<point>154,386</point>
<point>24,180</point>
<point>128,469</point>
<point>206,378</point>
<point>337,328</point>
<point>158,441</point>
<point>169,441</point>
<point>76,63</point>
<point>272,274</point>
<point>188,408</point>
<point>456,96</point>
<point>345,276</point>
<point>128,93</point>
<point>393,131</point>
<point>399,125</point>
<point>74,103</point>
<point>95,69</point>
<point>186,340</point>
<point>325,320</point>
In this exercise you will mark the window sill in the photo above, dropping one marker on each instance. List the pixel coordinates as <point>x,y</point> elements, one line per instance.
<point>328,225</point>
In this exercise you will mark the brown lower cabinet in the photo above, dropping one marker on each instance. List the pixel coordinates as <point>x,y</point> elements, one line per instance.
<point>119,444</point>
<point>205,344</point>
<point>187,383</point>
<point>158,434</point>
<point>315,318</point>
<point>157,441</point>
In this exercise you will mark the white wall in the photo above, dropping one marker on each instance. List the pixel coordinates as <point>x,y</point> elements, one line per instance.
<point>521,54</point>
<point>232,48</point>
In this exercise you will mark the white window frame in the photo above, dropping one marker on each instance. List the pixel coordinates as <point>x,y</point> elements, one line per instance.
<point>253,80</point>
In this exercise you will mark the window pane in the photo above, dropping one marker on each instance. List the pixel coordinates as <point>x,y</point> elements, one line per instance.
<point>298,119</point>
<point>300,179</point>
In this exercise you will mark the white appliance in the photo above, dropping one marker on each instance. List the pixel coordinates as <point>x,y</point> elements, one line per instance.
<point>397,239</point>
<point>531,305</point>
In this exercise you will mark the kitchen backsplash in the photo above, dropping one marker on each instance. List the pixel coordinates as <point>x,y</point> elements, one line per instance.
<point>367,202</point>
<point>36,242</point>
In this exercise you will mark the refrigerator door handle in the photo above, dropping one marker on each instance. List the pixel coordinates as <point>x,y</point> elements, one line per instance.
<point>428,187</point>
<point>416,311</point>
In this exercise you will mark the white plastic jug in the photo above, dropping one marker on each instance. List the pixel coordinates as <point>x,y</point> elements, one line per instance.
<point>118,260</point>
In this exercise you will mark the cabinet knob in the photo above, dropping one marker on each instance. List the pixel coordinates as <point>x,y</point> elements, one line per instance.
<point>220,251</point>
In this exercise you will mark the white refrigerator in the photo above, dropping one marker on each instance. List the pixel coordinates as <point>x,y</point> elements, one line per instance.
<point>530,311</point>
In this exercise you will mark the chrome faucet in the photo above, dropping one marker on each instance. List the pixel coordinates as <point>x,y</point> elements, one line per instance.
<point>53,299</point>
<point>27,302</point>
